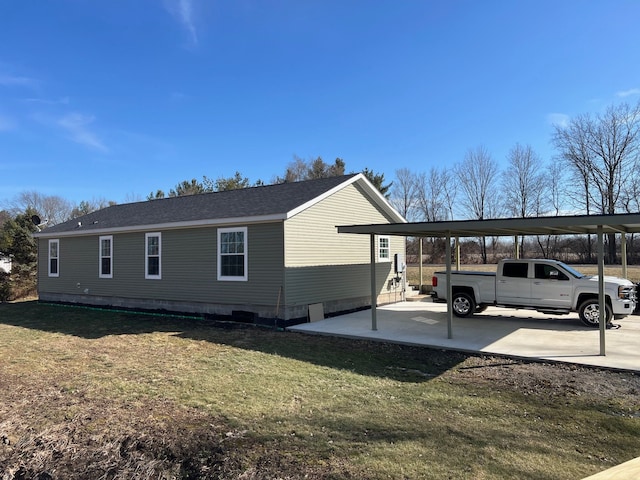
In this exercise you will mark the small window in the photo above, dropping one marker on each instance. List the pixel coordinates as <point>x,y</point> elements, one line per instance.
<point>54,258</point>
<point>153,256</point>
<point>232,254</point>
<point>106,257</point>
<point>549,272</point>
<point>384,249</point>
<point>515,269</point>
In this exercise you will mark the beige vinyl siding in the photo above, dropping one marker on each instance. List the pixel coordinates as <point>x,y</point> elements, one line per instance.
<point>311,236</point>
<point>188,265</point>
<point>325,266</point>
<point>334,282</point>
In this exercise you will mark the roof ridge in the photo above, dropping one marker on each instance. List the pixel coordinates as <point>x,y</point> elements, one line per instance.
<point>252,203</point>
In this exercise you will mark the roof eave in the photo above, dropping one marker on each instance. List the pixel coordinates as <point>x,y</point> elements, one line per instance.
<point>163,226</point>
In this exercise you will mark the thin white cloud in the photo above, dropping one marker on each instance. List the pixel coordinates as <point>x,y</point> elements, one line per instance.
<point>17,81</point>
<point>559,119</point>
<point>44,101</point>
<point>182,10</point>
<point>628,93</point>
<point>77,126</point>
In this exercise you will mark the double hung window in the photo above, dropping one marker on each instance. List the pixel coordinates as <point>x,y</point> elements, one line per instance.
<point>232,254</point>
<point>153,256</point>
<point>54,258</point>
<point>106,257</point>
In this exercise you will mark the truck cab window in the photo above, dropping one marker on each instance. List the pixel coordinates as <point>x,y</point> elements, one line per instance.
<point>515,269</point>
<point>549,272</point>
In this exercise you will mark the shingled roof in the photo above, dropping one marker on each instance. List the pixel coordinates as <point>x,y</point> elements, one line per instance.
<point>264,203</point>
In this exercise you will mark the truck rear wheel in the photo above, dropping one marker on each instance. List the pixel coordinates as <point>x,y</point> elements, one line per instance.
<point>463,304</point>
<point>589,313</point>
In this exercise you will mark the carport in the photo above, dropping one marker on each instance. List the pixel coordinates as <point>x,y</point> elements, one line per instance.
<point>598,225</point>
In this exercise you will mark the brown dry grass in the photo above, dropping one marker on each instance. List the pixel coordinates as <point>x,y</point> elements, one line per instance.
<point>94,394</point>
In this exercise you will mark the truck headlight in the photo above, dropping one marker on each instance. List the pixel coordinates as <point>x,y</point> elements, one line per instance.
<point>626,292</point>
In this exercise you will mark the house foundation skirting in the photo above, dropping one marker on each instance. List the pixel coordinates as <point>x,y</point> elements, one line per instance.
<point>287,315</point>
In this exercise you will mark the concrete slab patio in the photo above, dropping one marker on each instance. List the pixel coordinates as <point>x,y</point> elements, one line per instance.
<point>516,333</point>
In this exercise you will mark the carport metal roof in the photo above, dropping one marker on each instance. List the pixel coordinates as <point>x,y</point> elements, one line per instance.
<point>559,225</point>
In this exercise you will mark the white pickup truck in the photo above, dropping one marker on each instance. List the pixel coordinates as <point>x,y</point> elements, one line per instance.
<point>547,286</point>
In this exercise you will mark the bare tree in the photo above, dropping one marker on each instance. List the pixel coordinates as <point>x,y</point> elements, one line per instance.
<point>572,143</point>
<point>553,179</point>
<point>430,195</point>
<point>403,192</point>
<point>431,202</point>
<point>631,204</point>
<point>450,192</point>
<point>522,184</point>
<point>51,208</point>
<point>602,151</point>
<point>477,176</point>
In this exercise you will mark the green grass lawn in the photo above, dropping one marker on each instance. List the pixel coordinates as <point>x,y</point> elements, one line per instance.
<point>163,397</point>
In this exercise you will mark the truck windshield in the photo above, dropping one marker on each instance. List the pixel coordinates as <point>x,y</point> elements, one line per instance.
<point>572,271</point>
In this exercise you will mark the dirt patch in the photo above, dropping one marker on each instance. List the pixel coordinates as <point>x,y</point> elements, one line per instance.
<point>545,380</point>
<point>48,434</point>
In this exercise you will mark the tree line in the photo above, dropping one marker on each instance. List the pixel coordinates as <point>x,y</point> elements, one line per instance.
<point>54,209</point>
<point>595,171</point>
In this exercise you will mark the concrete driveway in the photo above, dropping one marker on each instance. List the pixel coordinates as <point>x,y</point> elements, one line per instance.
<point>516,333</point>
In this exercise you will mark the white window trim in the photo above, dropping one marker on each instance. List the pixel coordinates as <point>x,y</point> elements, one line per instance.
<point>245,277</point>
<point>49,257</point>
<point>146,256</point>
<point>110,256</point>
<point>388,239</point>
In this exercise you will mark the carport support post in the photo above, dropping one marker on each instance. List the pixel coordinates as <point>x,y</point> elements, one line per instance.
<point>601,298</point>
<point>420,263</point>
<point>623,253</point>
<point>449,288</point>
<point>374,295</point>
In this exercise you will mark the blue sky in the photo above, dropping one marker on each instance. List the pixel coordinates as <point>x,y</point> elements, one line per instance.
<point>113,99</point>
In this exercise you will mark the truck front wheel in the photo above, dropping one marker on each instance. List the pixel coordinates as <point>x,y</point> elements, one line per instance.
<point>589,313</point>
<point>463,304</point>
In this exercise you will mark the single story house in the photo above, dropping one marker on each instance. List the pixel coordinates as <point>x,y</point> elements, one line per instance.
<point>267,252</point>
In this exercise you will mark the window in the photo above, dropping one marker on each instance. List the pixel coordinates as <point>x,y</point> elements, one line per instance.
<point>153,252</point>
<point>515,269</point>
<point>106,257</point>
<point>549,272</point>
<point>54,258</point>
<point>232,254</point>
<point>384,249</point>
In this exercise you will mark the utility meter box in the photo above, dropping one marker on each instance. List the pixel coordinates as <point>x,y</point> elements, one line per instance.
<point>398,263</point>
